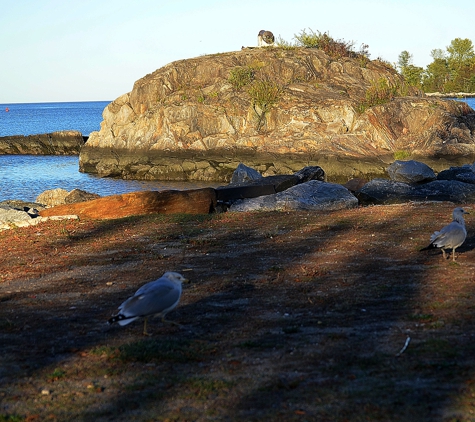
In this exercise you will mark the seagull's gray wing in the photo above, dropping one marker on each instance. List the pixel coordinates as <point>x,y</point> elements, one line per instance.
<point>451,236</point>
<point>156,299</point>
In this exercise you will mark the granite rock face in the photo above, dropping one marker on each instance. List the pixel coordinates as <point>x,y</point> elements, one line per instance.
<point>192,119</point>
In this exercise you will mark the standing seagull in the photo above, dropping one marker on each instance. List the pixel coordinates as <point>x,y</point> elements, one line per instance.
<point>451,236</point>
<point>155,298</point>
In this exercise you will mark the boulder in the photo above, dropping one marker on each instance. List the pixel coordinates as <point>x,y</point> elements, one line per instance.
<point>410,172</point>
<point>197,201</point>
<point>8,214</point>
<point>78,195</point>
<point>52,197</point>
<point>462,174</point>
<point>311,173</point>
<point>244,174</point>
<point>66,142</point>
<point>312,196</point>
<point>355,184</point>
<point>245,187</point>
<point>382,191</point>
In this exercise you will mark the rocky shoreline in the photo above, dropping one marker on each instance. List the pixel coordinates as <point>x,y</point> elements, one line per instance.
<point>55,143</point>
<point>307,189</point>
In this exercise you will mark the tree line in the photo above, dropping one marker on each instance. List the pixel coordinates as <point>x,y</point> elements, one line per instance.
<point>452,69</point>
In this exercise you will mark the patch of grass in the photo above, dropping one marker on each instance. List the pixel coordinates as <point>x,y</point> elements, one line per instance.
<point>164,350</point>
<point>106,351</point>
<point>381,92</point>
<point>421,317</point>
<point>437,347</point>
<point>11,418</point>
<point>281,43</point>
<point>401,155</point>
<point>57,374</point>
<point>201,388</point>
<point>240,76</point>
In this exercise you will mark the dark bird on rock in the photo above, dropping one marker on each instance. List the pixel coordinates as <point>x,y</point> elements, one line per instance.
<point>451,236</point>
<point>156,298</point>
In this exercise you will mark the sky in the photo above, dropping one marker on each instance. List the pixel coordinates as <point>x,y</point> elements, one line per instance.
<point>94,50</point>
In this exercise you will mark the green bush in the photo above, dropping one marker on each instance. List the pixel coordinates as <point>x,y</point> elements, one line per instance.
<point>264,94</point>
<point>241,76</point>
<point>380,92</point>
<point>334,48</point>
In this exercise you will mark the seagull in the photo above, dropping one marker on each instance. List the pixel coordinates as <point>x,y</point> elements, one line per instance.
<point>155,298</point>
<point>451,236</point>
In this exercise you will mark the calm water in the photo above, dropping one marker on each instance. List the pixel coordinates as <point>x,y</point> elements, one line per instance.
<point>25,176</point>
<point>35,118</point>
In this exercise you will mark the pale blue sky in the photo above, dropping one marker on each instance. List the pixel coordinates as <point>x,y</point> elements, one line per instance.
<point>87,50</point>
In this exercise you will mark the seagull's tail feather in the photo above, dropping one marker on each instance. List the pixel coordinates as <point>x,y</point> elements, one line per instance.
<point>122,319</point>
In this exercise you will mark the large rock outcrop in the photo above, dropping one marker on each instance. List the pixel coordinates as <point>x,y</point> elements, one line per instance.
<point>277,110</point>
<point>66,142</point>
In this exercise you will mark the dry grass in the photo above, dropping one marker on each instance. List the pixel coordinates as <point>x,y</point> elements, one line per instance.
<point>290,317</point>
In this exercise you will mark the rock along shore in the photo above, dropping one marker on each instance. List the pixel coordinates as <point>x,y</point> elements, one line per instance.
<point>56,143</point>
<point>410,181</point>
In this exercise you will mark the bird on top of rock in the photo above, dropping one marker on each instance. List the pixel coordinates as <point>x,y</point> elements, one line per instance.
<point>156,298</point>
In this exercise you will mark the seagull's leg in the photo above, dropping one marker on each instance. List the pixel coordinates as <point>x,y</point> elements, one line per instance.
<point>453,254</point>
<point>145,332</point>
<point>443,253</point>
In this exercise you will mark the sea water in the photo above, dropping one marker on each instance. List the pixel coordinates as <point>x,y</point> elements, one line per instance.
<point>36,118</point>
<point>26,176</point>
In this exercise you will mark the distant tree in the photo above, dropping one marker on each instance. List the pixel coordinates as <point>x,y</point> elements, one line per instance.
<point>437,53</point>
<point>413,75</point>
<point>436,76</point>
<point>404,60</point>
<point>460,52</point>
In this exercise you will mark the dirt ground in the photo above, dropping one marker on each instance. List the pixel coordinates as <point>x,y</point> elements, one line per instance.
<point>299,316</point>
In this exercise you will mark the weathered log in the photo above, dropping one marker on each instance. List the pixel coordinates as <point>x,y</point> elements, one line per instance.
<point>259,187</point>
<point>196,201</point>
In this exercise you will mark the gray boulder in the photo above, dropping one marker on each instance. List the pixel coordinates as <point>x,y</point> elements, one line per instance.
<point>244,174</point>
<point>313,195</point>
<point>410,172</point>
<point>462,174</point>
<point>381,191</point>
<point>12,215</point>
<point>310,173</point>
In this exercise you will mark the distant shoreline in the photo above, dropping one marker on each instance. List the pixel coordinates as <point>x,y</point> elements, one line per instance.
<point>451,94</point>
